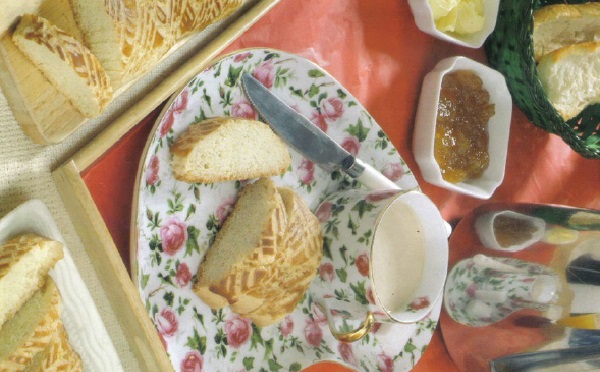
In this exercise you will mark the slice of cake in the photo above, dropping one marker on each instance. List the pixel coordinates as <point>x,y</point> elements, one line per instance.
<point>71,68</point>
<point>24,265</point>
<point>225,149</point>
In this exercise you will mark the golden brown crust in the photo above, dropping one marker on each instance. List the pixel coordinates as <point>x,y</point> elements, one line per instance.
<point>65,47</point>
<point>188,167</point>
<point>295,266</point>
<point>145,31</point>
<point>268,284</point>
<point>43,333</point>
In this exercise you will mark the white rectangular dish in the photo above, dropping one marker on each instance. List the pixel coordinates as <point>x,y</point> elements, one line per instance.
<point>87,333</point>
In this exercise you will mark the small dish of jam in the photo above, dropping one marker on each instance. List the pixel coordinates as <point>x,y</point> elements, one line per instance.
<point>462,126</point>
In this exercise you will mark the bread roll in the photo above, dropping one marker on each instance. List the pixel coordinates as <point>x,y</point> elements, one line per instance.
<point>224,149</point>
<point>24,265</point>
<point>130,36</point>
<point>560,25</point>
<point>71,68</point>
<point>244,247</point>
<point>570,77</point>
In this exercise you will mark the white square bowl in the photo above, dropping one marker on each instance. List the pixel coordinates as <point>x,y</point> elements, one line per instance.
<point>498,127</point>
<point>424,19</point>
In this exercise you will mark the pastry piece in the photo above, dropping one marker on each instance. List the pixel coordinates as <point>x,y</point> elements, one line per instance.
<point>44,304</point>
<point>295,265</point>
<point>224,149</point>
<point>244,247</point>
<point>24,265</point>
<point>58,356</point>
<point>559,25</point>
<point>570,77</point>
<point>71,68</point>
<point>130,36</point>
<point>34,339</point>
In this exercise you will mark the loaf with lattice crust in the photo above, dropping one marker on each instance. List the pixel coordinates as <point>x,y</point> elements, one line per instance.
<point>130,36</point>
<point>267,280</point>
<point>71,68</point>
<point>244,247</point>
<point>295,264</point>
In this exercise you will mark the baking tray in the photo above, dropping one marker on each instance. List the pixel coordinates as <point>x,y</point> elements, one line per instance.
<point>46,116</point>
<point>87,218</point>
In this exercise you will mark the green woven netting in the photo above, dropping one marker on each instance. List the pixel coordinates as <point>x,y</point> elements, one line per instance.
<point>510,50</point>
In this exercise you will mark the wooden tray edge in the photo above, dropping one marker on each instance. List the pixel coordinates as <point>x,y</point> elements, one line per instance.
<point>124,297</point>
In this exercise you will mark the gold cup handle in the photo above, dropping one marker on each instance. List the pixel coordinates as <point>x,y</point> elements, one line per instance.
<point>355,334</point>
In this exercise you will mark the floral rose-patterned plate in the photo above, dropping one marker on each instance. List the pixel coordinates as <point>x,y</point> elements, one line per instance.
<point>174,223</point>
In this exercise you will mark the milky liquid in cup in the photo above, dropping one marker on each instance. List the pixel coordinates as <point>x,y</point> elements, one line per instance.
<point>398,257</point>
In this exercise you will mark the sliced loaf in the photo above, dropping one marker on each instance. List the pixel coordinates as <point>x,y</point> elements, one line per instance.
<point>295,264</point>
<point>71,68</point>
<point>244,247</point>
<point>24,265</point>
<point>559,25</point>
<point>130,36</point>
<point>224,149</point>
<point>570,77</point>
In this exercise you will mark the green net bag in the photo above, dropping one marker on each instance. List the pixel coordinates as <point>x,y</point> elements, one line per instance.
<point>510,50</point>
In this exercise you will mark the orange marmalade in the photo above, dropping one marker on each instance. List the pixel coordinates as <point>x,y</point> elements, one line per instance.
<point>461,139</point>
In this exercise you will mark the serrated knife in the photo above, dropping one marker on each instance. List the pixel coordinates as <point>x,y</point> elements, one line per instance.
<point>306,138</point>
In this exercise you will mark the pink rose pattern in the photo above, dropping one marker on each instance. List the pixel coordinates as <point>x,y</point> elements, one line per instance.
<point>173,235</point>
<point>238,331</point>
<point>243,109</point>
<point>306,171</point>
<point>351,144</point>
<point>286,327</point>
<point>224,209</point>
<point>326,272</point>
<point>171,229</point>
<point>313,332</point>
<point>347,354</point>
<point>183,275</point>
<point>152,170</point>
<point>265,73</point>
<point>167,322</point>
<point>192,362</point>
<point>178,106</point>
<point>324,211</point>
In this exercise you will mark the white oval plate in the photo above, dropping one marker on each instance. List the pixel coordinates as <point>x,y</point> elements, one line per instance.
<point>174,222</point>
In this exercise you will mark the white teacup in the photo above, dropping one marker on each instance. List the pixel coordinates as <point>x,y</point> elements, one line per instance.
<point>385,258</point>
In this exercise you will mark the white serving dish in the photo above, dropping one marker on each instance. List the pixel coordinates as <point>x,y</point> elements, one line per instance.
<point>498,127</point>
<point>425,22</point>
<point>87,333</point>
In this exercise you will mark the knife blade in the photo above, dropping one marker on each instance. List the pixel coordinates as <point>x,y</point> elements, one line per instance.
<point>307,139</point>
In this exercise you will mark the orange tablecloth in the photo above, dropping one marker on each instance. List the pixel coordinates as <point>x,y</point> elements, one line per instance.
<point>375,50</point>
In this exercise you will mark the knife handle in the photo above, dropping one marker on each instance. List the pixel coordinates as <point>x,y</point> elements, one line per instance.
<point>373,179</point>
